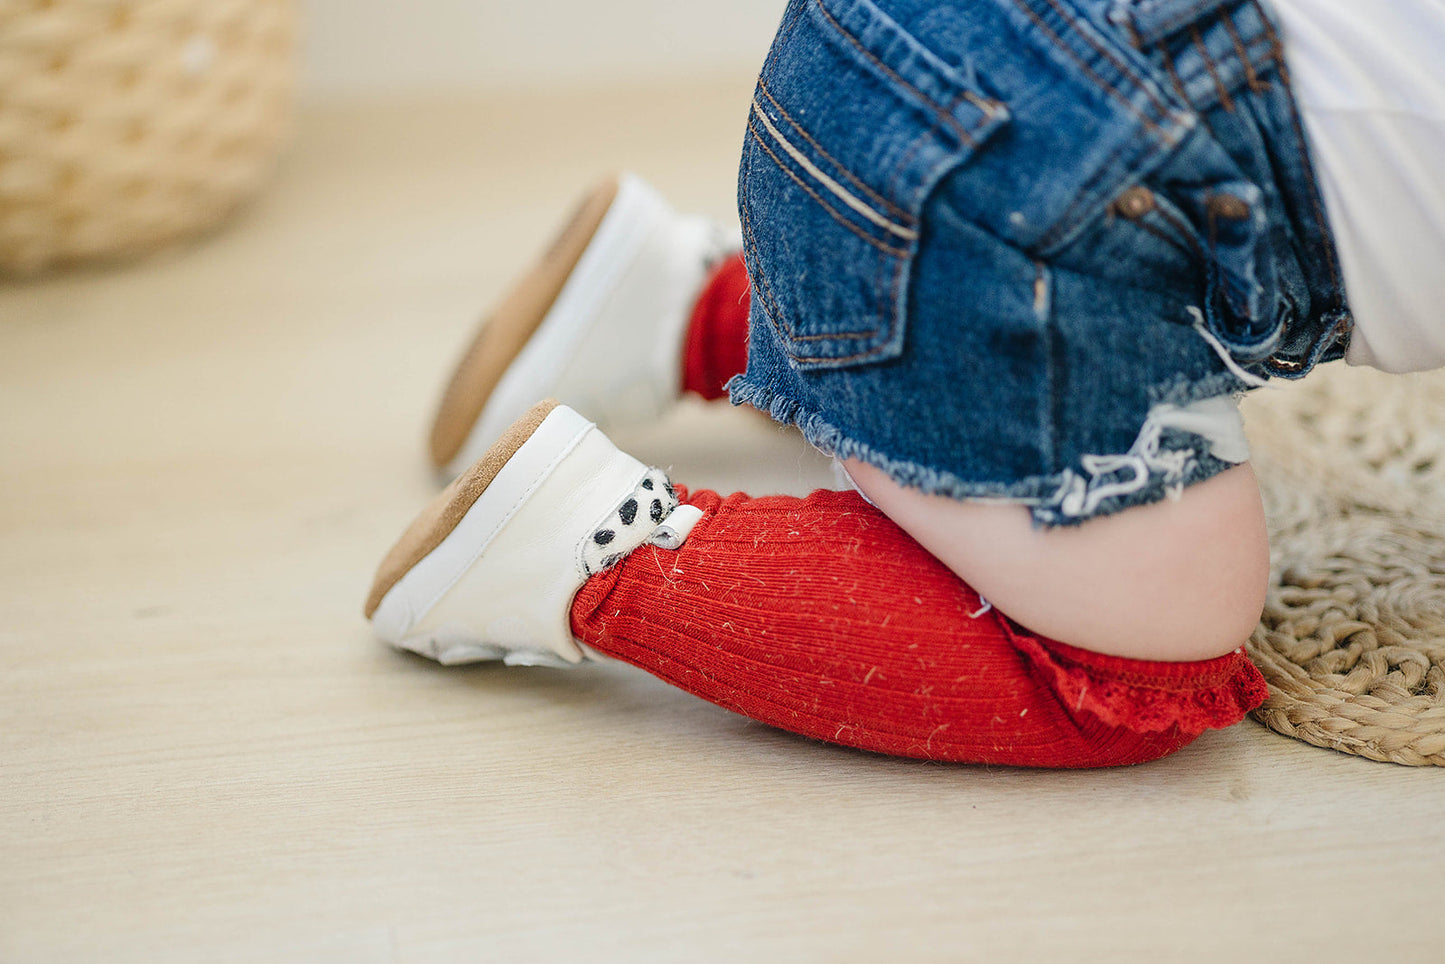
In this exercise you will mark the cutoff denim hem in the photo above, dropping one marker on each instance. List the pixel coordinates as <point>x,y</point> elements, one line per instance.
<point>1029,250</point>
<point>1184,460</point>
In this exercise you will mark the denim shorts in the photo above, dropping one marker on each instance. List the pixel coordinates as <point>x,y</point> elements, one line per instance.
<point>1031,250</point>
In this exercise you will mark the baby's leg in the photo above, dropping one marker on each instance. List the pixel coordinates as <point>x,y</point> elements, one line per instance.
<point>823,617</point>
<point>818,615</point>
<point>1174,580</point>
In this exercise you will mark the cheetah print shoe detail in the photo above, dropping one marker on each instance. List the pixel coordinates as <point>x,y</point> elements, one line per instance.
<point>650,514</point>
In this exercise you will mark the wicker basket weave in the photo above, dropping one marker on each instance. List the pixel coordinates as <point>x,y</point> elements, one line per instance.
<point>1352,466</point>
<point>124,125</point>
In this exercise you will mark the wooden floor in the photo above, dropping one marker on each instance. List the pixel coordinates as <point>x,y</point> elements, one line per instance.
<point>205,756</point>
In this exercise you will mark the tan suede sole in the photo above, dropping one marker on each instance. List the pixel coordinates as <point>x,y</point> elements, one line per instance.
<point>502,335</point>
<point>442,514</point>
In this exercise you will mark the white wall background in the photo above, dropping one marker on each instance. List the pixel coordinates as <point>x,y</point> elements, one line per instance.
<point>370,47</point>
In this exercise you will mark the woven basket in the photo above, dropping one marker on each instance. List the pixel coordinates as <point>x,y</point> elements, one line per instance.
<point>124,125</point>
<point>1352,466</point>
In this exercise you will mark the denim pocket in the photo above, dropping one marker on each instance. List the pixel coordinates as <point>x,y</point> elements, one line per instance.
<point>1240,302</point>
<point>853,123</point>
<point>1224,230</point>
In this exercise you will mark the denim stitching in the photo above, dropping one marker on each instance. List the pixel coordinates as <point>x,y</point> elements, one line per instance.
<point>1181,239</point>
<point>1186,249</point>
<point>785,30</point>
<point>913,148</point>
<point>1148,121</point>
<point>1173,71</point>
<point>774,310</point>
<point>1276,46</point>
<point>842,168</point>
<point>1110,56</point>
<point>770,305</point>
<point>1082,197</point>
<point>1126,22</point>
<point>1184,230</point>
<point>757,280</point>
<point>762,289</point>
<point>895,305</point>
<point>1225,100</point>
<point>839,360</point>
<point>1257,40</point>
<point>1305,165</point>
<point>1055,375</point>
<point>1180,19</point>
<point>825,180</point>
<point>886,307</point>
<point>1063,223</point>
<point>1261,69</point>
<point>777,312</point>
<point>1217,288</point>
<point>824,204</point>
<point>892,307</point>
<point>953,122</point>
<point>1242,52</point>
<point>894,75</point>
<point>908,158</point>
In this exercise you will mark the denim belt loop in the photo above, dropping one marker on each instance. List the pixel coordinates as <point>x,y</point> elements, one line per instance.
<point>1149,21</point>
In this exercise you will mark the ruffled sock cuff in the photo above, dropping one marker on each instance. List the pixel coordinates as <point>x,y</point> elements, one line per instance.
<point>1146,696</point>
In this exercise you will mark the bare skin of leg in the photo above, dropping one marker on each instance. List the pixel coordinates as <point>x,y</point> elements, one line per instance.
<point>1174,580</point>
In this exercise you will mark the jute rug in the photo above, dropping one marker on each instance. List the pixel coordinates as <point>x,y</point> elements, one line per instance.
<point>1352,465</point>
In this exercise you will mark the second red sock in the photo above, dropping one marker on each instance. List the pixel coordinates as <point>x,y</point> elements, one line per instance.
<point>716,347</point>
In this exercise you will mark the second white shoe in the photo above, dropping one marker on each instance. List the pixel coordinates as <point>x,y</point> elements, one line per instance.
<point>598,323</point>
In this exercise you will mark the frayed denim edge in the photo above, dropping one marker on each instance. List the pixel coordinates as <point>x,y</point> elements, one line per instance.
<point>1042,495</point>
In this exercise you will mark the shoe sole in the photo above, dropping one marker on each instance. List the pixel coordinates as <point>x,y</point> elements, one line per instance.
<point>446,511</point>
<point>548,304</point>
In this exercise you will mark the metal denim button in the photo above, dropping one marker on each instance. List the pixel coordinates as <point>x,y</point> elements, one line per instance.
<point>1135,202</point>
<point>1228,207</point>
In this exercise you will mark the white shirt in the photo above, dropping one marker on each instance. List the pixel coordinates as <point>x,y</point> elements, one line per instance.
<point>1369,78</point>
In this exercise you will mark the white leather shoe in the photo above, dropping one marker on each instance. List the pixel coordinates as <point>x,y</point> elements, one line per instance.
<point>489,568</point>
<point>597,323</point>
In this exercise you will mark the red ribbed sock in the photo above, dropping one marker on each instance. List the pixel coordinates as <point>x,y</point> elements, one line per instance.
<point>716,348</point>
<point>822,617</point>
